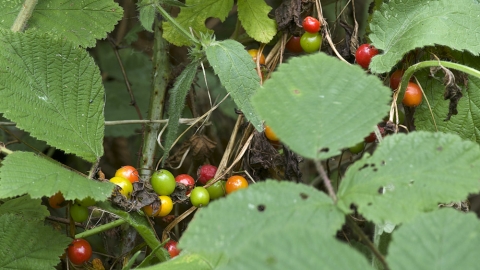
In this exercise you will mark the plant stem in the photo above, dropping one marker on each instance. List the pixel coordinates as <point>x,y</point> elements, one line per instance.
<point>161,74</point>
<point>435,63</point>
<point>177,26</point>
<point>99,229</point>
<point>326,180</point>
<point>4,150</point>
<point>23,16</point>
<point>367,241</point>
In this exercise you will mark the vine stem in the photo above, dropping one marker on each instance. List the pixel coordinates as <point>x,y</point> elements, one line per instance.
<point>326,180</point>
<point>4,150</point>
<point>177,25</point>
<point>24,15</point>
<point>367,241</point>
<point>102,228</point>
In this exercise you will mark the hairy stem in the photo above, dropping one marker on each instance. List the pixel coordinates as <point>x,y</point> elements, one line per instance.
<point>99,229</point>
<point>24,15</point>
<point>177,25</point>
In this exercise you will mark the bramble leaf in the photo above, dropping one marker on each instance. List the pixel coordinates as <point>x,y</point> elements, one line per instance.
<point>439,240</point>
<point>410,174</point>
<point>25,207</point>
<point>403,25</point>
<point>334,107</point>
<point>254,17</point>
<point>29,244</point>
<point>57,91</point>
<point>189,261</point>
<point>81,22</point>
<point>194,15</point>
<point>147,10</point>
<point>25,172</point>
<point>256,216</point>
<point>236,70</point>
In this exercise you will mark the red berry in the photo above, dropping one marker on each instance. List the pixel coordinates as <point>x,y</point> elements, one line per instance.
<point>186,180</point>
<point>395,78</point>
<point>171,247</point>
<point>293,45</point>
<point>205,173</point>
<point>79,251</point>
<point>364,55</point>
<point>311,24</point>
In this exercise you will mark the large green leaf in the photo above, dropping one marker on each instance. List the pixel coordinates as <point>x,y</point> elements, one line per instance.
<point>25,207</point>
<point>81,22</point>
<point>271,215</point>
<point>189,261</point>
<point>236,70</point>
<point>440,240</point>
<point>52,90</point>
<point>24,172</point>
<point>194,16</point>
<point>467,122</point>
<point>28,244</point>
<point>323,101</point>
<point>254,17</point>
<point>410,174</point>
<point>177,103</point>
<point>403,25</point>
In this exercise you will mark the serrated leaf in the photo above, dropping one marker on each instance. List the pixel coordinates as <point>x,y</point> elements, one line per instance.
<point>56,89</point>
<point>138,68</point>
<point>296,247</point>
<point>467,122</point>
<point>147,10</point>
<point>236,70</point>
<point>415,173</point>
<point>438,240</point>
<point>189,261</point>
<point>24,172</point>
<point>230,224</point>
<point>254,17</point>
<point>25,207</point>
<point>403,25</point>
<point>176,103</point>
<point>140,224</point>
<point>328,104</point>
<point>81,22</point>
<point>28,244</point>
<point>194,15</point>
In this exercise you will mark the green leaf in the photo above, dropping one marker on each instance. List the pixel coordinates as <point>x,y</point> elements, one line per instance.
<point>267,212</point>
<point>403,25</point>
<point>147,10</point>
<point>189,261</point>
<point>138,68</point>
<point>57,91</point>
<point>28,244</point>
<point>141,225</point>
<point>24,172</point>
<point>329,104</point>
<point>194,15</point>
<point>254,17</point>
<point>25,207</point>
<point>81,22</point>
<point>236,70</point>
<point>177,103</point>
<point>467,122</point>
<point>415,172</point>
<point>438,240</point>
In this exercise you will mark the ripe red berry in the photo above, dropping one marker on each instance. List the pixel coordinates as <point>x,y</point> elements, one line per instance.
<point>171,247</point>
<point>395,78</point>
<point>205,173</point>
<point>364,55</point>
<point>311,25</point>
<point>79,251</point>
<point>186,180</point>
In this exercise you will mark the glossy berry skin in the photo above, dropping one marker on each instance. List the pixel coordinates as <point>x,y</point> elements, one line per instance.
<point>364,55</point>
<point>163,182</point>
<point>216,190</point>
<point>293,45</point>
<point>125,185</point>
<point>310,42</point>
<point>171,247</point>
<point>358,148</point>
<point>205,173</point>
<point>199,197</point>
<point>78,213</point>
<point>270,134</point>
<point>234,183</point>
<point>129,173</point>
<point>56,201</point>
<point>79,251</point>
<point>395,78</point>
<point>311,25</point>
<point>166,206</point>
<point>186,180</point>
<point>253,53</point>
<point>413,95</point>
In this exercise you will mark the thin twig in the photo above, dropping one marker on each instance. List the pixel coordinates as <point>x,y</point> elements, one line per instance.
<point>326,180</point>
